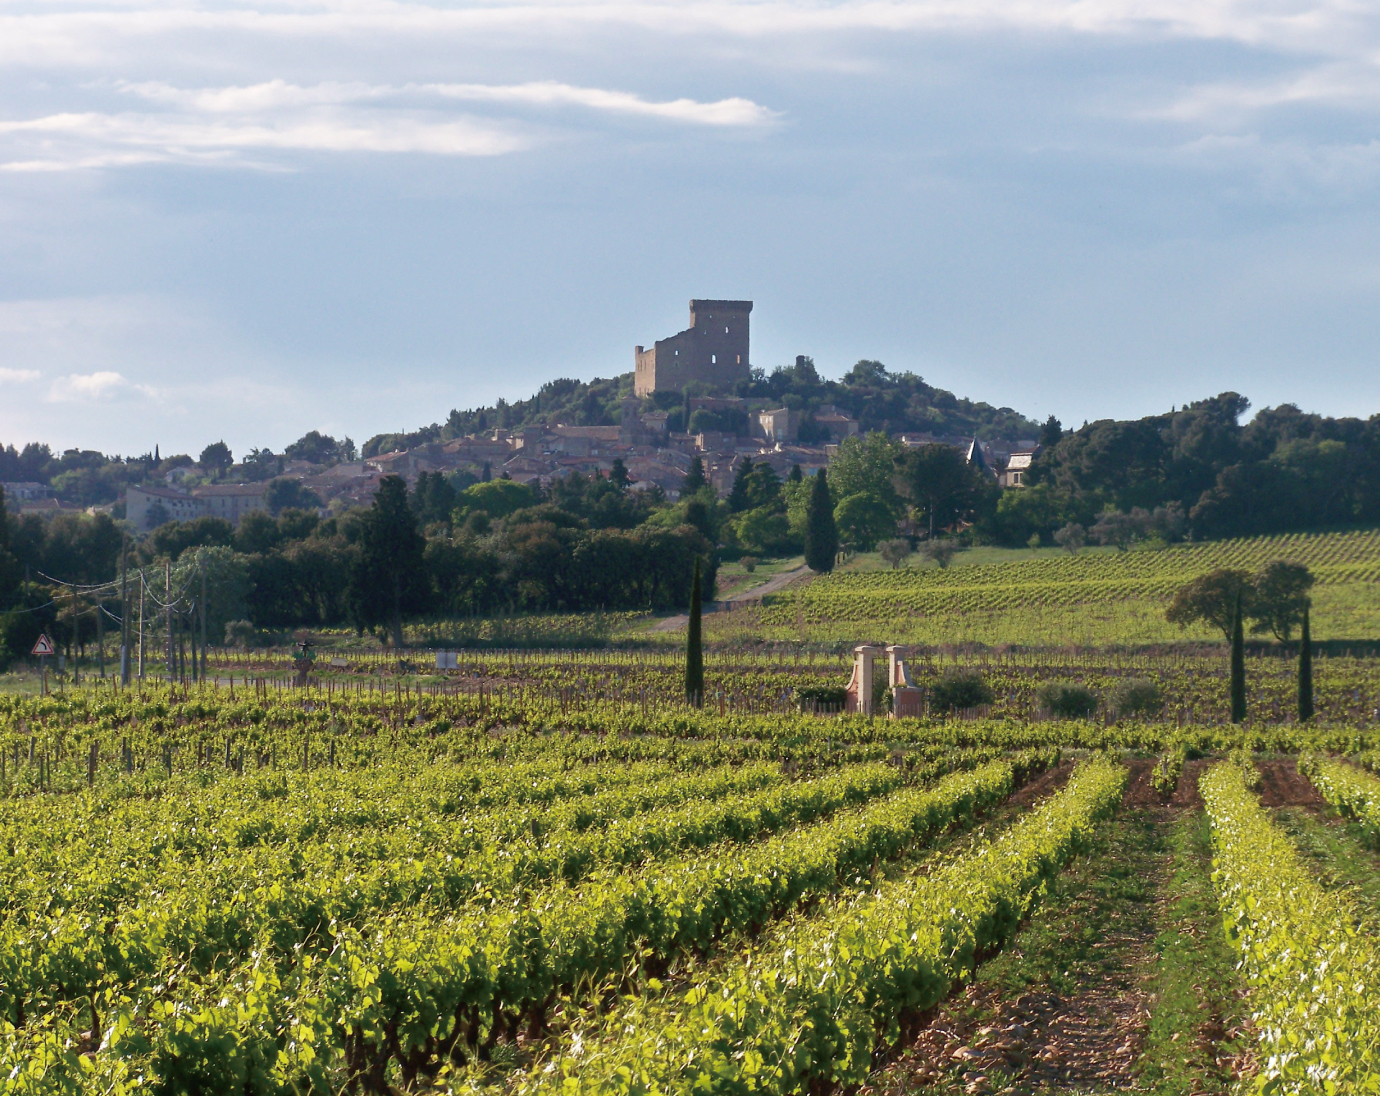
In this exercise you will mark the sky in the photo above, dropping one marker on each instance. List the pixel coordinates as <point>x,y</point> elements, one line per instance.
<point>247,219</point>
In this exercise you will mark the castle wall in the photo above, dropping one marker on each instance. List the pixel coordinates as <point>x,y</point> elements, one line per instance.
<point>712,350</point>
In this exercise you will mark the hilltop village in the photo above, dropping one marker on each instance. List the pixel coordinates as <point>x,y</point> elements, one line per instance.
<point>693,394</point>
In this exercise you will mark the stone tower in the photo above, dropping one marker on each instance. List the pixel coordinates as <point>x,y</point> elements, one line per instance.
<point>713,349</point>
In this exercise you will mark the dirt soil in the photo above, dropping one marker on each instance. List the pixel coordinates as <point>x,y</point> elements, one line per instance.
<point>1282,786</point>
<point>1043,786</point>
<point>1086,1038</point>
<point>1038,1042</point>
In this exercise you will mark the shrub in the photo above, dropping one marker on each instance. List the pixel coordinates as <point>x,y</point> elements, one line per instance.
<point>1137,696</point>
<point>1068,700</point>
<point>959,689</point>
<point>749,563</point>
<point>895,551</point>
<point>821,698</point>
<point>243,634</point>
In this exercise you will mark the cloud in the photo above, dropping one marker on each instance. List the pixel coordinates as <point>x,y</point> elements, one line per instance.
<point>1347,86</point>
<point>279,94</point>
<point>222,125</point>
<point>91,387</point>
<point>18,376</point>
<point>102,29</point>
<point>99,140</point>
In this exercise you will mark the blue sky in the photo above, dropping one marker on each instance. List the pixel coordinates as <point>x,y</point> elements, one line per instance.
<point>247,220</point>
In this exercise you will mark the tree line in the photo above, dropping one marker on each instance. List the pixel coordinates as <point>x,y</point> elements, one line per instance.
<point>427,552</point>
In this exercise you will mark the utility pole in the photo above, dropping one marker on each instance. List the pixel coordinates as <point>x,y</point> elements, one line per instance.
<point>76,636</point>
<point>124,609</point>
<point>202,565</point>
<point>141,623</point>
<point>100,633</point>
<point>167,608</point>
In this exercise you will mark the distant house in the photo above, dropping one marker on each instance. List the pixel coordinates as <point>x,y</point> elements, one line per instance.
<point>838,425</point>
<point>142,503</point>
<point>230,501</point>
<point>47,508</point>
<point>1013,475</point>
<point>23,492</point>
<point>779,424</point>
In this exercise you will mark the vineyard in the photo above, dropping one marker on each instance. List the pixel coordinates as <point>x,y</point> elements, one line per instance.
<point>542,872</point>
<point>1087,599</point>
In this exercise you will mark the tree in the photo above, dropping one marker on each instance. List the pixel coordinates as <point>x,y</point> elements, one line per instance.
<point>618,474</point>
<point>175,537</point>
<point>1212,598</point>
<point>433,498</point>
<point>156,515</point>
<point>895,551</point>
<point>763,487</point>
<point>938,480</point>
<point>1051,432</point>
<point>738,497</point>
<point>696,514</point>
<point>1118,529</point>
<point>862,520</point>
<point>821,535</point>
<point>865,466</point>
<point>1279,598</point>
<point>9,566</point>
<point>261,464</point>
<point>1238,660</point>
<point>764,530</point>
<point>694,479</point>
<point>1305,670</point>
<point>317,448</point>
<point>941,550</point>
<point>497,498</point>
<point>795,475</point>
<point>216,458</point>
<point>282,493</point>
<point>694,646</point>
<point>389,576</point>
<point>257,533</point>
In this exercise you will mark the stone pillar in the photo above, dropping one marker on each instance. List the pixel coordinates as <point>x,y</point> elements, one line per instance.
<point>860,688</point>
<point>906,699</point>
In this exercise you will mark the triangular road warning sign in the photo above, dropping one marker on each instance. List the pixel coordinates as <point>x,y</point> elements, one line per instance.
<point>44,646</point>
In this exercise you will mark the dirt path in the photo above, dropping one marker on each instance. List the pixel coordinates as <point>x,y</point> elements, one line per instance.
<point>771,586</point>
<point>1068,1005</point>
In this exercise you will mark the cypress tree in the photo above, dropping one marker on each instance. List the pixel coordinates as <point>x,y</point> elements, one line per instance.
<point>738,497</point>
<point>821,535</point>
<point>1238,666</point>
<point>694,479</point>
<point>1305,671</point>
<point>694,647</point>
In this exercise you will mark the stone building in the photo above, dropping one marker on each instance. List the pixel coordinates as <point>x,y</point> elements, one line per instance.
<point>713,350</point>
<point>228,501</point>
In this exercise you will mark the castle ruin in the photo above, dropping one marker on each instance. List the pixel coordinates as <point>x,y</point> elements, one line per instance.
<point>713,350</point>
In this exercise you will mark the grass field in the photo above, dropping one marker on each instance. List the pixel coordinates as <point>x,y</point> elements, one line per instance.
<point>1047,598</point>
